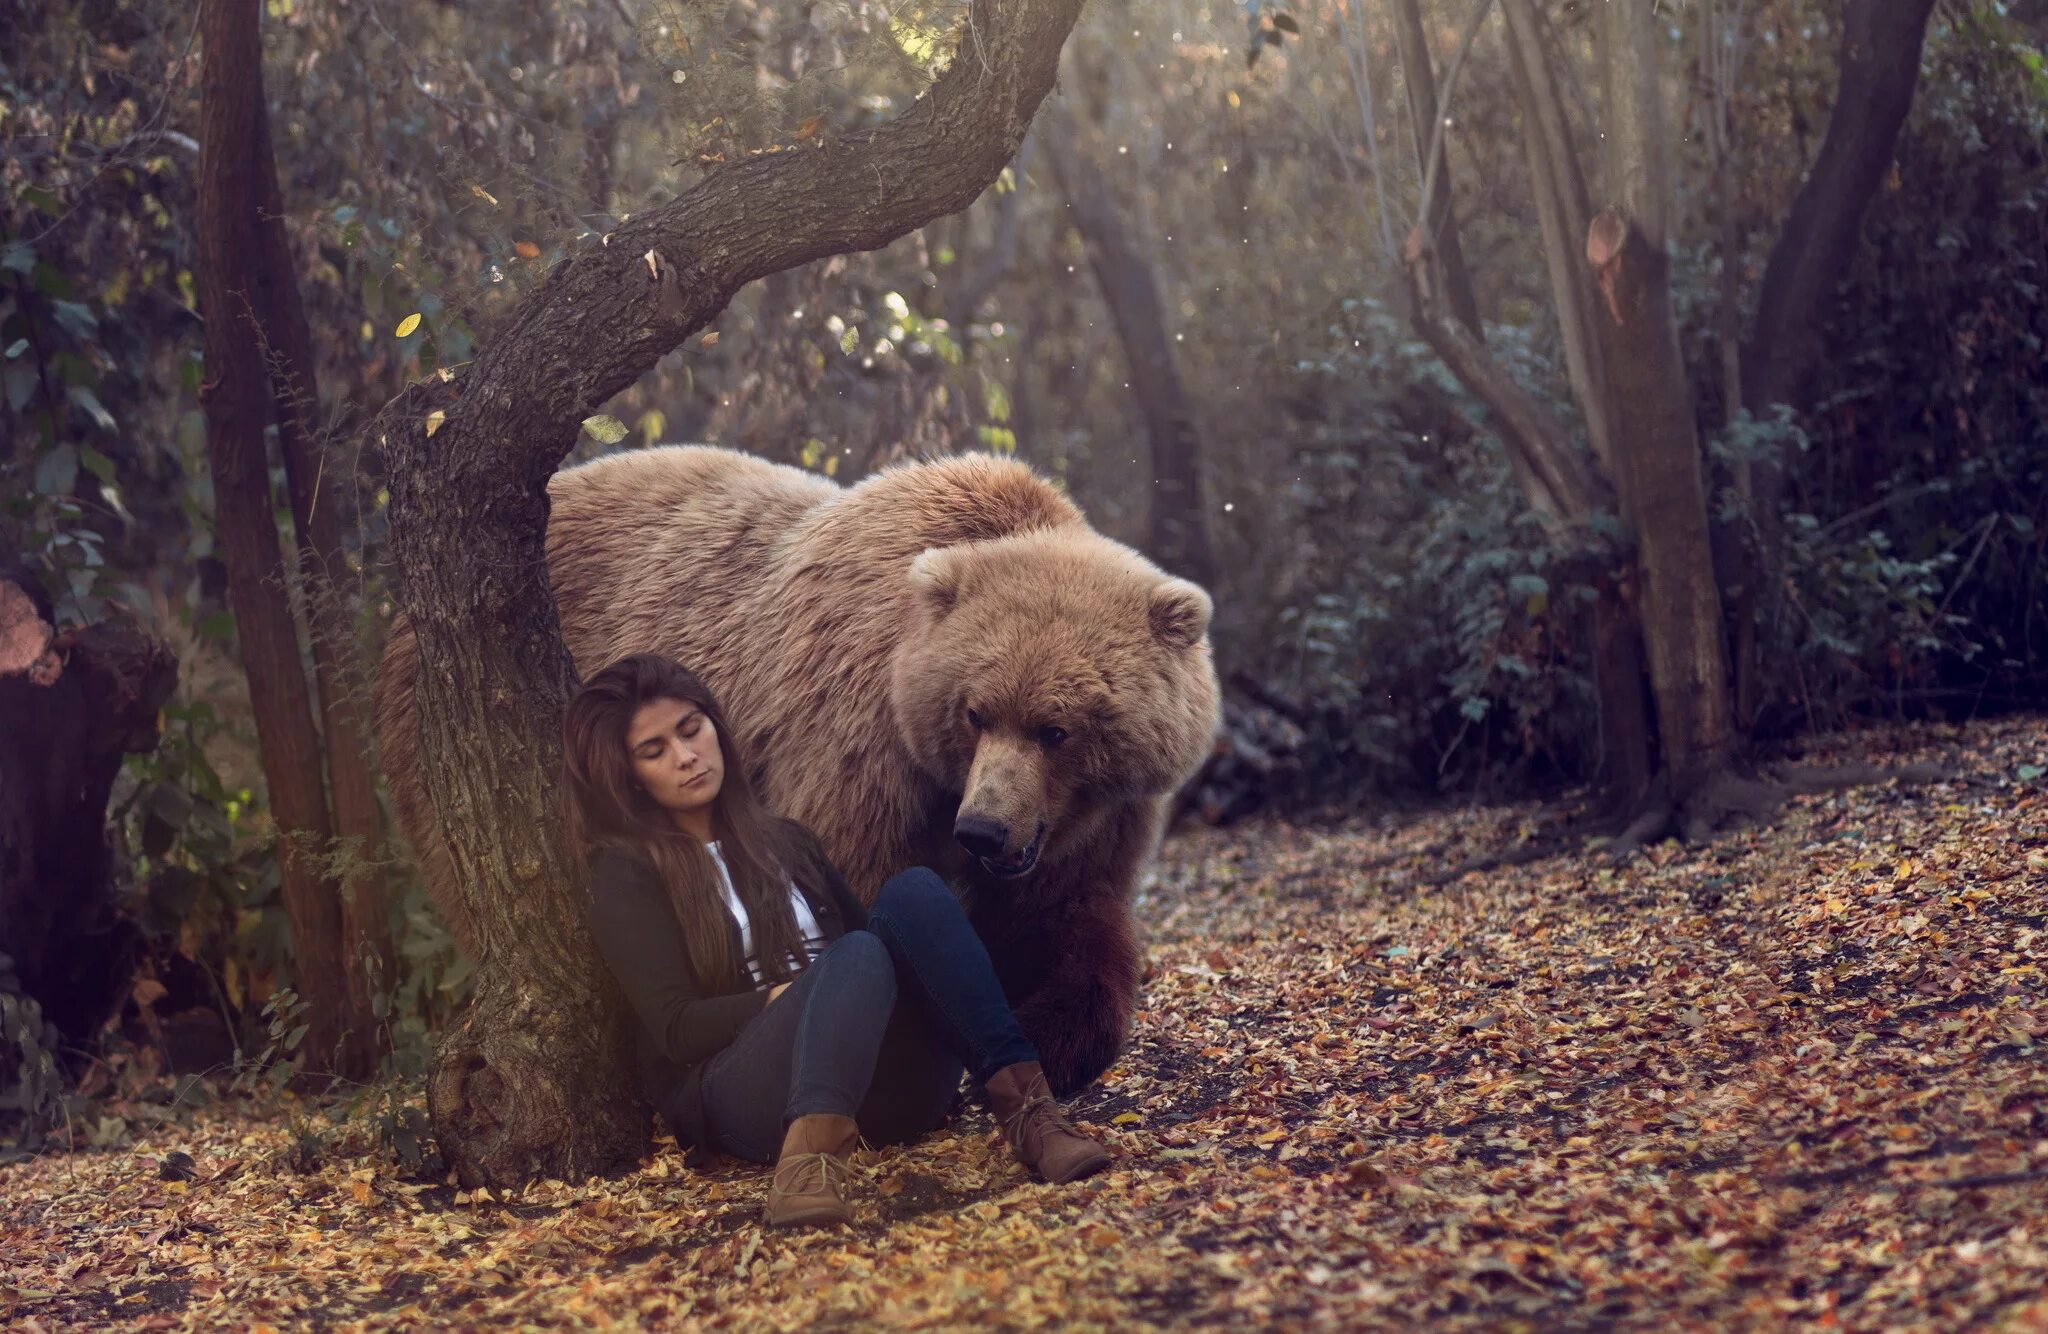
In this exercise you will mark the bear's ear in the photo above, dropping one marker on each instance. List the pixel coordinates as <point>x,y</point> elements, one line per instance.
<point>1179,613</point>
<point>935,574</point>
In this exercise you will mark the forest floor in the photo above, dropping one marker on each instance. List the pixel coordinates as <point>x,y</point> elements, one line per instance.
<point>1794,1079</point>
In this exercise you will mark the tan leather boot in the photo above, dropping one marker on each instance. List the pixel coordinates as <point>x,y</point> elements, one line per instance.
<point>810,1175</point>
<point>1038,1131</point>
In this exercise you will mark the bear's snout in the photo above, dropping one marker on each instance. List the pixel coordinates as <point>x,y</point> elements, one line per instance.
<point>982,836</point>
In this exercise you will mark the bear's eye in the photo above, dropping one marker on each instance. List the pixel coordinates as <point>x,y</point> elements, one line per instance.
<point>976,721</point>
<point>1049,736</point>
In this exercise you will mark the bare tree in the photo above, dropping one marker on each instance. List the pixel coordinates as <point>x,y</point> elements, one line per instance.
<point>531,1080</point>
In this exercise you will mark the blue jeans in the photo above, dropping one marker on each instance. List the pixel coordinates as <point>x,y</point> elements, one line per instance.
<point>878,1028</point>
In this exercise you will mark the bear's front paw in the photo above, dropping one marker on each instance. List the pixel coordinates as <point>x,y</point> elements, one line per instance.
<point>1074,1052</point>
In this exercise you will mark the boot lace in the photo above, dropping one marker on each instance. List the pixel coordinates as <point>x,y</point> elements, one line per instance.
<point>813,1173</point>
<point>1038,1115</point>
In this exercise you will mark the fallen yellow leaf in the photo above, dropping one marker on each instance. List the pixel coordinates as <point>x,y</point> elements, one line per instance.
<point>408,324</point>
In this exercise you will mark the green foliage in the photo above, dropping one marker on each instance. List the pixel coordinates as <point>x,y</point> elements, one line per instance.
<point>31,1086</point>
<point>1915,512</point>
<point>1430,629</point>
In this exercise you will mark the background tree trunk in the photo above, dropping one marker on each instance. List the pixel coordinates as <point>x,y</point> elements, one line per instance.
<point>234,395</point>
<point>319,497</point>
<point>1177,534</point>
<point>1655,440</point>
<point>991,267</point>
<point>1879,67</point>
<point>1418,74</point>
<point>532,1079</point>
<point>1563,486</point>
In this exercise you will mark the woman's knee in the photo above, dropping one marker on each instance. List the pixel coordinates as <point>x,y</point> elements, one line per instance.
<point>916,890</point>
<point>861,952</point>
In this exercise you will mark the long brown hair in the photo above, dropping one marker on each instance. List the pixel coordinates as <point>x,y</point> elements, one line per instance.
<point>605,806</point>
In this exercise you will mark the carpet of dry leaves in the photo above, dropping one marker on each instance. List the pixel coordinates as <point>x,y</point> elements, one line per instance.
<point>1794,1079</point>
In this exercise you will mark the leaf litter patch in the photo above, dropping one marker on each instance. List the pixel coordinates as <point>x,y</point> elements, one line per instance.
<point>1791,1079</point>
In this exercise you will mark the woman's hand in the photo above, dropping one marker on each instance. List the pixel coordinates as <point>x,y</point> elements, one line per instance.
<point>776,990</point>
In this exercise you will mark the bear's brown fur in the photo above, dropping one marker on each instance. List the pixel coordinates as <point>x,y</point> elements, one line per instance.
<point>857,636</point>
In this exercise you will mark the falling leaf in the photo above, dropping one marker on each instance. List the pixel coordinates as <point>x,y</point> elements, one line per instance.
<point>709,340</point>
<point>484,195</point>
<point>810,127</point>
<point>605,430</point>
<point>527,250</point>
<point>434,420</point>
<point>408,324</point>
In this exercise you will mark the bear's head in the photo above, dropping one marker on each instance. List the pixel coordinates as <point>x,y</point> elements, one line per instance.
<point>1051,678</point>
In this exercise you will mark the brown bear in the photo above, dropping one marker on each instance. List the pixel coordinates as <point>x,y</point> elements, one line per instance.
<point>943,665</point>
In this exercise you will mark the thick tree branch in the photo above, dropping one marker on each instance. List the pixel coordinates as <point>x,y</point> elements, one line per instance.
<point>671,269</point>
<point>1560,481</point>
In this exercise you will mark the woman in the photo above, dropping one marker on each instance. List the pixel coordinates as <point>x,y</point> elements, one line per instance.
<point>778,1019</point>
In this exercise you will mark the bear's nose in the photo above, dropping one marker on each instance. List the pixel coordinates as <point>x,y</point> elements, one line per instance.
<point>981,836</point>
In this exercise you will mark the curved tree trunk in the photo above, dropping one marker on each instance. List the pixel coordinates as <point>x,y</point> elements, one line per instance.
<point>1177,536</point>
<point>234,395</point>
<point>1879,66</point>
<point>532,1079</point>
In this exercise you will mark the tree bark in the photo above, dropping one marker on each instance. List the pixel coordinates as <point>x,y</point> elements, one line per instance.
<point>1656,445</point>
<point>1562,214</point>
<point>1664,503</point>
<point>233,396</point>
<point>1418,74</point>
<point>531,1080</point>
<point>1177,535</point>
<point>1880,66</point>
<point>67,716</point>
<point>318,495</point>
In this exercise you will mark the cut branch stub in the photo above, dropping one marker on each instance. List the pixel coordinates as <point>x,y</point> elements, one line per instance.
<point>1606,241</point>
<point>25,638</point>
<point>1605,238</point>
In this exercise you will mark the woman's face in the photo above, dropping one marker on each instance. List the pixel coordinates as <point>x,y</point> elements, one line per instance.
<point>675,755</point>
